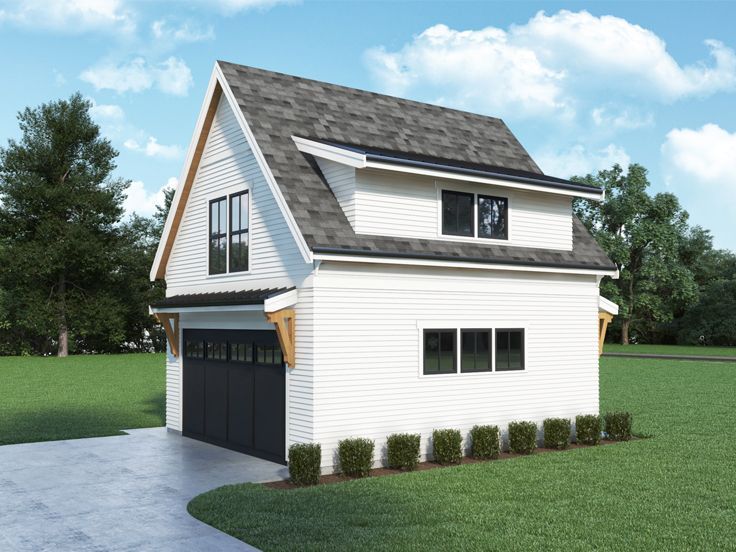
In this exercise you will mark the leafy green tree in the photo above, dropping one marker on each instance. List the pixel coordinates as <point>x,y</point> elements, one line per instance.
<point>643,235</point>
<point>59,226</point>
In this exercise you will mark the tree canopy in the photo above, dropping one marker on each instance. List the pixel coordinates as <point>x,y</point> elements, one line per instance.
<point>74,273</point>
<point>664,264</point>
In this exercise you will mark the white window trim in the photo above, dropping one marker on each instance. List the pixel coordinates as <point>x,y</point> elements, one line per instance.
<point>441,187</point>
<point>228,194</point>
<point>458,326</point>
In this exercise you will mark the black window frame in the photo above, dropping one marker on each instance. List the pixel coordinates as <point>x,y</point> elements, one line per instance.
<point>506,216</point>
<point>477,331</point>
<point>472,214</point>
<point>509,331</point>
<point>439,332</point>
<point>217,236</point>
<point>239,232</point>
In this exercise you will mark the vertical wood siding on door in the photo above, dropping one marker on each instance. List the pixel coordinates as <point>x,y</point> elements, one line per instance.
<point>367,351</point>
<point>228,166</point>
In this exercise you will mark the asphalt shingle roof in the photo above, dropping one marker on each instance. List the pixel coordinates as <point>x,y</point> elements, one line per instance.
<point>279,106</point>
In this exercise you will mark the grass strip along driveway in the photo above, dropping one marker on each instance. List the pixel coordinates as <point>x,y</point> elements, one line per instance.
<point>674,491</point>
<point>44,399</point>
<point>674,350</point>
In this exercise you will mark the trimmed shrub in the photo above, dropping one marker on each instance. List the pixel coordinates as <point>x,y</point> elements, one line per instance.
<point>485,441</point>
<point>304,462</point>
<point>356,456</point>
<point>618,425</point>
<point>522,437</point>
<point>403,451</point>
<point>447,446</point>
<point>588,429</point>
<point>556,433</point>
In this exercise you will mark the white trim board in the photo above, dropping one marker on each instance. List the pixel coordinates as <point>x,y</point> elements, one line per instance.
<point>460,264</point>
<point>360,161</point>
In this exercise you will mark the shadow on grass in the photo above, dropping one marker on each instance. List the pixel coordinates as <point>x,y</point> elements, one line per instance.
<point>70,422</point>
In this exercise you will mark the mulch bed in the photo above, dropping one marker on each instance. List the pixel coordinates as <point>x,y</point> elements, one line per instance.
<point>422,466</point>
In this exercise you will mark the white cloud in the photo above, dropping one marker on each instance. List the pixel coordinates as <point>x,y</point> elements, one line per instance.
<point>107,112</point>
<point>579,161</point>
<point>625,118</point>
<point>143,203</point>
<point>70,16</point>
<point>546,64</point>
<point>704,156</point>
<point>699,165</point>
<point>153,149</point>
<point>471,69</point>
<point>230,7</point>
<point>186,32</point>
<point>172,76</point>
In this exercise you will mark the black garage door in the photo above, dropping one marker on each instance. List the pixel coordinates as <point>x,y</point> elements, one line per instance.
<point>234,390</point>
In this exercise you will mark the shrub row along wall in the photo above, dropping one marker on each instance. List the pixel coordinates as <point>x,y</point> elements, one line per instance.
<point>356,455</point>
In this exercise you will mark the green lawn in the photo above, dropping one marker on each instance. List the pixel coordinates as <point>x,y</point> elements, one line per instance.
<point>686,350</point>
<point>676,490</point>
<point>43,399</point>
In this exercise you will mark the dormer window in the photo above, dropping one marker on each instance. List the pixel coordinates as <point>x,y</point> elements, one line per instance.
<point>474,215</point>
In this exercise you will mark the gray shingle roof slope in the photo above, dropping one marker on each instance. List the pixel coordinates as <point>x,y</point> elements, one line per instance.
<point>279,106</point>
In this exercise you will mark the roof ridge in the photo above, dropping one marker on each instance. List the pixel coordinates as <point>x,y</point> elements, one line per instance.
<point>363,91</point>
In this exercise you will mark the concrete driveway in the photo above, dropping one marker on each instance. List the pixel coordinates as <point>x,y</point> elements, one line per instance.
<point>126,492</point>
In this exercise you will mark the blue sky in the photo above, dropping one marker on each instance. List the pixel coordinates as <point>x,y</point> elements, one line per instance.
<point>582,84</point>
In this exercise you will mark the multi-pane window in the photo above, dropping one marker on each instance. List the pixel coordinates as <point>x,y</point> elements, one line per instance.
<point>239,232</point>
<point>269,354</point>
<point>218,236</point>
<point>439,351</point>
<point>216,350</point>
<point>474,215</point>
<point>457,213</point>
<point>229,242</point>
<point>492,217</point>
<point>194,349</point>
<point>475,350</point>
<point>509,349</point>
<point>241,352</point>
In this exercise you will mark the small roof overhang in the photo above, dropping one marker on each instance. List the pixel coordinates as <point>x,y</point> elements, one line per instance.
<point>266,300</point>
<point>365,158</point>
<point>604,305</point>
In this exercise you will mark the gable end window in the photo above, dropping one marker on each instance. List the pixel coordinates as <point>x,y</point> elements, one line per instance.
<point>439,351</point>
<point>229,237</point>
<point>509,349</point>
<point>218,236</point>
<point>239,232</point>
<point>475,215</point>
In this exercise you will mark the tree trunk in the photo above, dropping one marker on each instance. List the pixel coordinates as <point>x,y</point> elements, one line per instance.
<point>63,349</point>
<point>625,331</point>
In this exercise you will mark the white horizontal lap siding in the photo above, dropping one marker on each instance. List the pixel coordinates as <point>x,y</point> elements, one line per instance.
<point>368,383</point>
<point>301,377</point>
<point>173,390</point>
<point>406,205</point>
<point>229,166</point>
<point>341,179</point>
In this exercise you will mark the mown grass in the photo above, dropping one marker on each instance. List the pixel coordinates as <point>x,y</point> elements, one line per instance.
<point>677,350</point>
<point>43,399</point>
<point>675,491</point>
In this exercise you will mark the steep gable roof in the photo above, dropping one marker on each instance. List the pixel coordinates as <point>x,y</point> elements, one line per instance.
<point>278,106</point>
<point>275,107</point>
